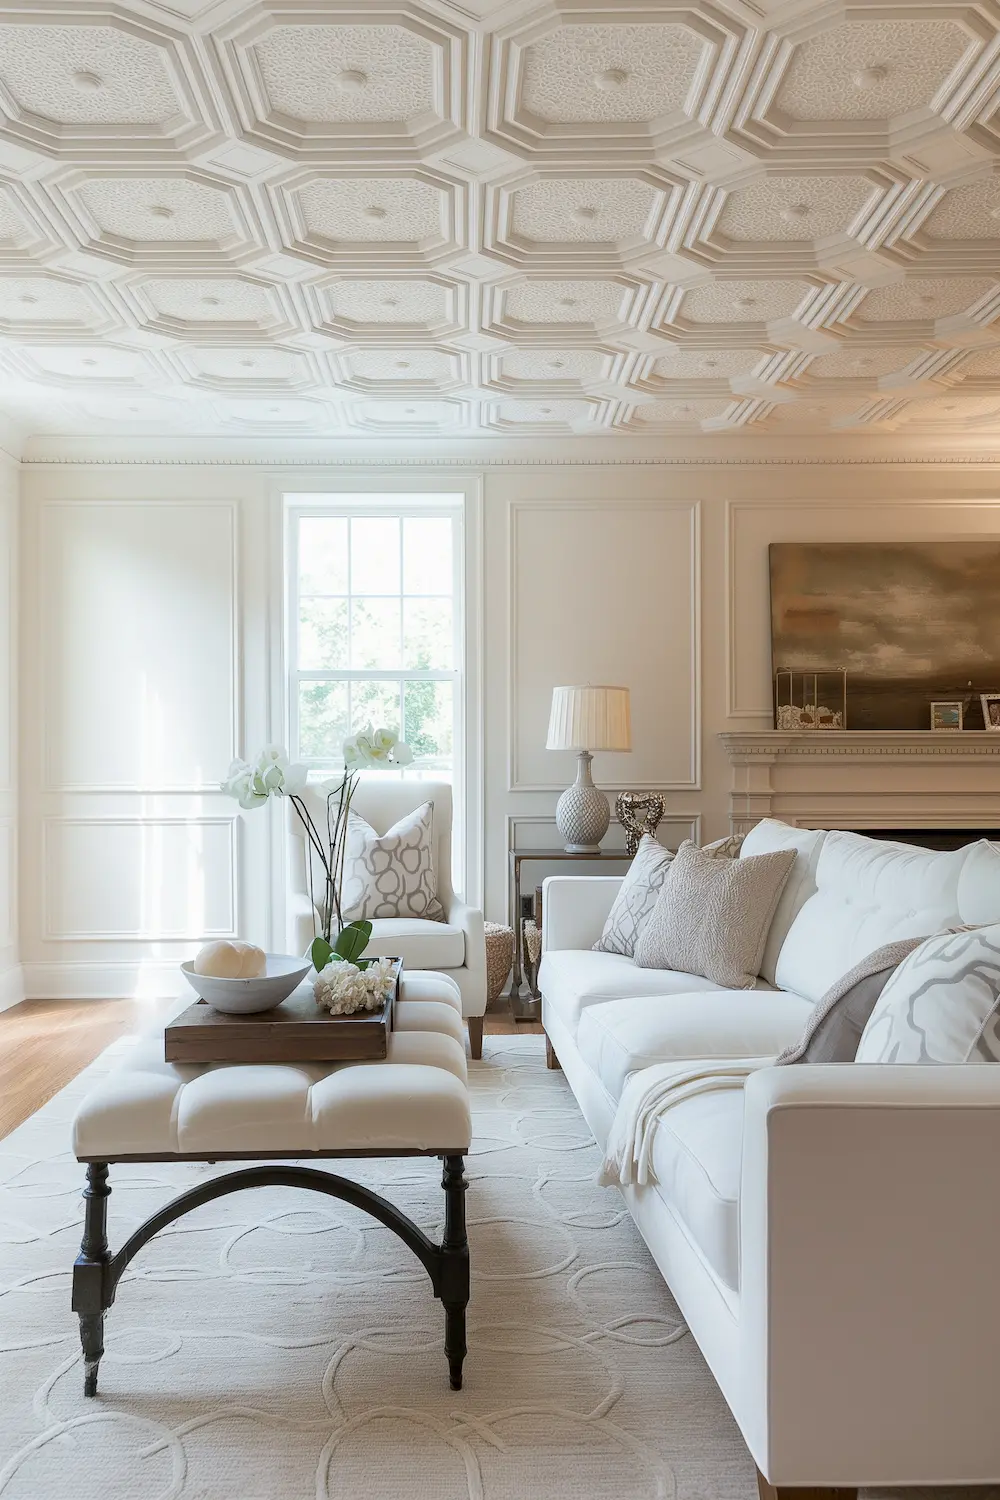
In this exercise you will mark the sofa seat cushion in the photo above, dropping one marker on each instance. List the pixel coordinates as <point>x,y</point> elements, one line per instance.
<point>696,1160</point>
<point>421,944</point>
<point>619,1037</point>
<point>571,979</point>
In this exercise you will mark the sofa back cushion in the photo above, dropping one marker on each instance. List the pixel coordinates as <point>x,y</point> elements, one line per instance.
<point>868,893</point>
<point>764,838</point>
<point>979,884</point>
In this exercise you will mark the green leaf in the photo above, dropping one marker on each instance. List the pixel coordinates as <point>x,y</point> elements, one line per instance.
<point>353,940</point>
<point>320,953</point>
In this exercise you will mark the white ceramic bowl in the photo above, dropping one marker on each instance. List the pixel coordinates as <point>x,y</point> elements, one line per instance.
<point>242,997</point>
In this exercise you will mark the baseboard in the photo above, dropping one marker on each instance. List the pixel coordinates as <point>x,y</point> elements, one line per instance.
<point>141,979</point>
<point>11,987</point>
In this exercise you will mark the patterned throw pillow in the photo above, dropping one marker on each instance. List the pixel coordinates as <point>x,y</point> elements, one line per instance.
<point>712,915</point>
<point>640,888</point>
<point>635,899</point>
<point>942,1005</point>
<point>391,874</point>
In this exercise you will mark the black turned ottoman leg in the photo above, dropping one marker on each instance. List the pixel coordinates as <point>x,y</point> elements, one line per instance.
<point>454,1267</point>
<point>90,1274</point>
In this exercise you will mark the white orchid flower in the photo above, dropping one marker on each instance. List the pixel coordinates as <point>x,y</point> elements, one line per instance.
<point>402,755</point>
<point>271,774</point>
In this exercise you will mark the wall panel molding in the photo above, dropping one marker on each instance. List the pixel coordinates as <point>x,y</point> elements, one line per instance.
<point>631,508</point>
<point>44,626</point>
<point>55,866</point>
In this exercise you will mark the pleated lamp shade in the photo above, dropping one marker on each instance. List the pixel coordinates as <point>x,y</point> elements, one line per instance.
<point>590,718</point>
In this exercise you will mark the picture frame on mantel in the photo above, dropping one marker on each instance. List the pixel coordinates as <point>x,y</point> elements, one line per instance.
<point>948,713</point>
<point>991,712</point>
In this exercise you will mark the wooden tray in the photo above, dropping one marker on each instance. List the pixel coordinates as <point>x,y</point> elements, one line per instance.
<point>295,1031</point>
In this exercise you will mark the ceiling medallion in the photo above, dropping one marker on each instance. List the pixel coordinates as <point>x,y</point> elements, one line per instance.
<point>870,78</point>
<point>585,213</point>
<point>375,211</point>
<point>89,82</point>
<point>161,211</point>
<point>351,80</point>
<point>611,79</point>
<point>794,212</point>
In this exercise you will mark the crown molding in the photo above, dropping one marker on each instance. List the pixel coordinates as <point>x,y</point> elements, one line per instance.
<point>500,453</point>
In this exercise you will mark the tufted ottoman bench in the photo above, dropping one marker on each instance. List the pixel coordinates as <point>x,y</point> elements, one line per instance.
<point>414,1103</point>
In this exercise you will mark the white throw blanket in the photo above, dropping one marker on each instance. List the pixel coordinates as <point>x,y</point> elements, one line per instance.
<point>647,1095</point>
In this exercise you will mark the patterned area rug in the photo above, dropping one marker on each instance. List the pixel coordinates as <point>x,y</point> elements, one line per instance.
<point>279,1346</point>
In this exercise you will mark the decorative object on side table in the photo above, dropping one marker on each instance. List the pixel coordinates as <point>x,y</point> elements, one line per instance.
<point>272,775</point>
<point>585,719</point>
<point>638,813</point>
<point>948,713</point>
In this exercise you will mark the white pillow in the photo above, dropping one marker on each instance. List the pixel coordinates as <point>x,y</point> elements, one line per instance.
<point>391,874</point>
<point>638,892</point>
<point>942,1005</point>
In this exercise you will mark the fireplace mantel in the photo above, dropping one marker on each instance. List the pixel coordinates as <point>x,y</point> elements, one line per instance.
<point>865,779</point>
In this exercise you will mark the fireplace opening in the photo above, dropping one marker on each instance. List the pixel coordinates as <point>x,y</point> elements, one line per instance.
<point>932,838</point>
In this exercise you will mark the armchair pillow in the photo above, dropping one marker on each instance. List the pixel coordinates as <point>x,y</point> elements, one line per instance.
<point>942,1005</point>
<point>391,874</point>
<point>712,915</point>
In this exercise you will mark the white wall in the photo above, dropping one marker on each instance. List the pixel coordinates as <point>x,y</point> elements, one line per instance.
<point>151,631</point>
<point>10,974</point>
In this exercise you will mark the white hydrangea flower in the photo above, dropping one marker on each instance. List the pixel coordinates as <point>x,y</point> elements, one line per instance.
<point>343,989</point>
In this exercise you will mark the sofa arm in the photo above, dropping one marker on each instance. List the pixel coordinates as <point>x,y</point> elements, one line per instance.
<point>575,908</point>
<point>473,981</point>
<point>869,1227</point>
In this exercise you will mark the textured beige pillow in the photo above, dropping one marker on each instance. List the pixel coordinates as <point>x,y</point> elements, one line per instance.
<point>712,915</point>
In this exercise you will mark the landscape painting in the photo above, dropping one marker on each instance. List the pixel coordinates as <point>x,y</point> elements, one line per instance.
<point>911,622</point>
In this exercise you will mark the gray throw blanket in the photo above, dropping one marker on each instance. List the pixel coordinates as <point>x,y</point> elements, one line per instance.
<point>835,1026</point>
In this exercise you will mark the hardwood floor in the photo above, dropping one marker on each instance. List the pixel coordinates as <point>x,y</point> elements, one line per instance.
<point>45,1043</point>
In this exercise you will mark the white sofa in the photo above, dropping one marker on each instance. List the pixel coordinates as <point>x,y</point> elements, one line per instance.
<point>831,1233</point>
<point>456,946</point>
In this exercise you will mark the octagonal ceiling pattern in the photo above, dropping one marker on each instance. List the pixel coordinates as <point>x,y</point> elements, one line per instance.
<point>436,217</point>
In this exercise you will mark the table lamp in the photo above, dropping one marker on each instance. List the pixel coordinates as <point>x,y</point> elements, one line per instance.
<point>585,719</point>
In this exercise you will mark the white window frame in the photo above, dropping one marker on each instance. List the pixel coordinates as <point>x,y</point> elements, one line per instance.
<point>380,494</point>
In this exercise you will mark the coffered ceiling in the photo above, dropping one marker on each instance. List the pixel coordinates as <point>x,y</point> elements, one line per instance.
<point>357,217</point>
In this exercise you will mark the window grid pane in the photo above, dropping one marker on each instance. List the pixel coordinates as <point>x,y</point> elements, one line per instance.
<point>377,633</point>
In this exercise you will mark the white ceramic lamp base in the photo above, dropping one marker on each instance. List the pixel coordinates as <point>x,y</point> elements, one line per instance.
<point>582,812</point>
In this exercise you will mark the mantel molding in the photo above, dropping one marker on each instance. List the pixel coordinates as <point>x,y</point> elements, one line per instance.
<point>859,745</point>
<point>864,779</point>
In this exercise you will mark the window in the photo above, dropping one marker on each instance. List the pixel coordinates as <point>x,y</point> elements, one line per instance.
<point>376,627</point>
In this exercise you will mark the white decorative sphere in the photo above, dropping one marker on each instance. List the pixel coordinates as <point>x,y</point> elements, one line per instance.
<point>231,961</point>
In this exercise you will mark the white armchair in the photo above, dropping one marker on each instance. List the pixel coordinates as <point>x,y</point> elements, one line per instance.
<point>456,946</point>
